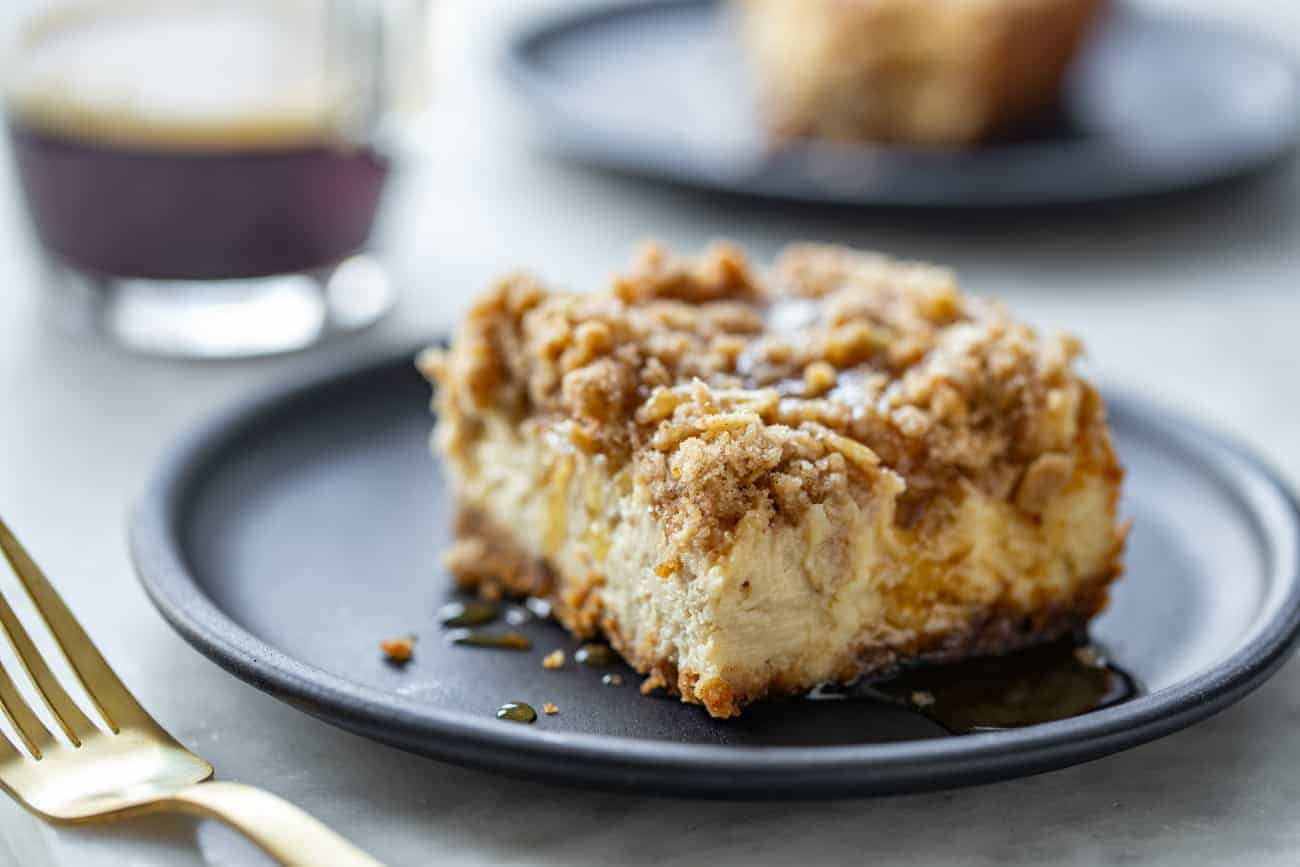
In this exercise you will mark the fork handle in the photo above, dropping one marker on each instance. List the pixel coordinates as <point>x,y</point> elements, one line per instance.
<point>285,832</point>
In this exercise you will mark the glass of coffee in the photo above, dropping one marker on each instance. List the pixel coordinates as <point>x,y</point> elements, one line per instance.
<point>203,176</point>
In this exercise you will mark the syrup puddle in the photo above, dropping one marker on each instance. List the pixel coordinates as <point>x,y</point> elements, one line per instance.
<point>517,711</point>
<point>596,655</point>
<point>516,641</point>
<point>1043,684</point>
<point>465,614</point>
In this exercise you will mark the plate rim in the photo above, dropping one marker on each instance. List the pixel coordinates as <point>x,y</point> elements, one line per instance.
<point>570,136</point>
<point>716,771</point>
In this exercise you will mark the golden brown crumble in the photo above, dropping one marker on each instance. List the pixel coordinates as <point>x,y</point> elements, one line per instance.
<point>730,391</point>
<point>553,660</point>
<point>550,709</point>
<point>398,650</point>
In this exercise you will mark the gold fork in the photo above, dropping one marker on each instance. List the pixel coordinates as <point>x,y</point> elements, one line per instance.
<point>128,765</point>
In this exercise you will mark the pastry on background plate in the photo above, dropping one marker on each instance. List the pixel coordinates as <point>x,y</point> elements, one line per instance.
<point>752,484</point>
<point>923,72</point>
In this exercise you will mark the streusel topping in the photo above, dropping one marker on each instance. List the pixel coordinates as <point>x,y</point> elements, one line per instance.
<point>731,391</point>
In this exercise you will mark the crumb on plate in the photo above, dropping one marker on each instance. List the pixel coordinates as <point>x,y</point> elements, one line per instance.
<point>655,681</point>
<point>399,650</point>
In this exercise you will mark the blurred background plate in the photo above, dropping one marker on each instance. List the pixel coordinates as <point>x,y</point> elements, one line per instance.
<point>292,534</point>
<point>659,89</point>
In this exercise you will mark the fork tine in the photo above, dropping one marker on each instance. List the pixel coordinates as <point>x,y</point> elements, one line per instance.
<point>102,685</point>
<point>33,733</point>
<point>57,701</point>
<point>10,752</point>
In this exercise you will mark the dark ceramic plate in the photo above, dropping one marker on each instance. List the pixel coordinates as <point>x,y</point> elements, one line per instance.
<point>289,535</point>
<point>659,89</point>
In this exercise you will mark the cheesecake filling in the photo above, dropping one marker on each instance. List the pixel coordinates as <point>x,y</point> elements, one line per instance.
<point>844,593</point>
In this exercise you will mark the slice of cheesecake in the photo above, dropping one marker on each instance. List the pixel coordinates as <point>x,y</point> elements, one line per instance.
<point>754,485</point>
<point>937,72</point>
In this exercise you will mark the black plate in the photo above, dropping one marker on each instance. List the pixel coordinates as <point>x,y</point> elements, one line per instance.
<point>659,89</point>
<point>288,536</point>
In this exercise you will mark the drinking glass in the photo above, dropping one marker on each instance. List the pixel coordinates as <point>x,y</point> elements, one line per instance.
<point>203,176</point>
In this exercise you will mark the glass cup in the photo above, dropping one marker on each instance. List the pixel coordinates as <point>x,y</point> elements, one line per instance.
<point>203,176</point>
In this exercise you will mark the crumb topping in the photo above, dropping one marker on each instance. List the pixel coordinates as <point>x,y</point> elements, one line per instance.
<point>398,650</point>
<point>728,390</point>
<point>553,660</point>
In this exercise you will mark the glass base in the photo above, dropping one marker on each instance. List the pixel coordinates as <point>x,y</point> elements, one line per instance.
<point>225,318</point>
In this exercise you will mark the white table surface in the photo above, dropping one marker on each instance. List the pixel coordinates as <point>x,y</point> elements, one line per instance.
<point>1196,303</point>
